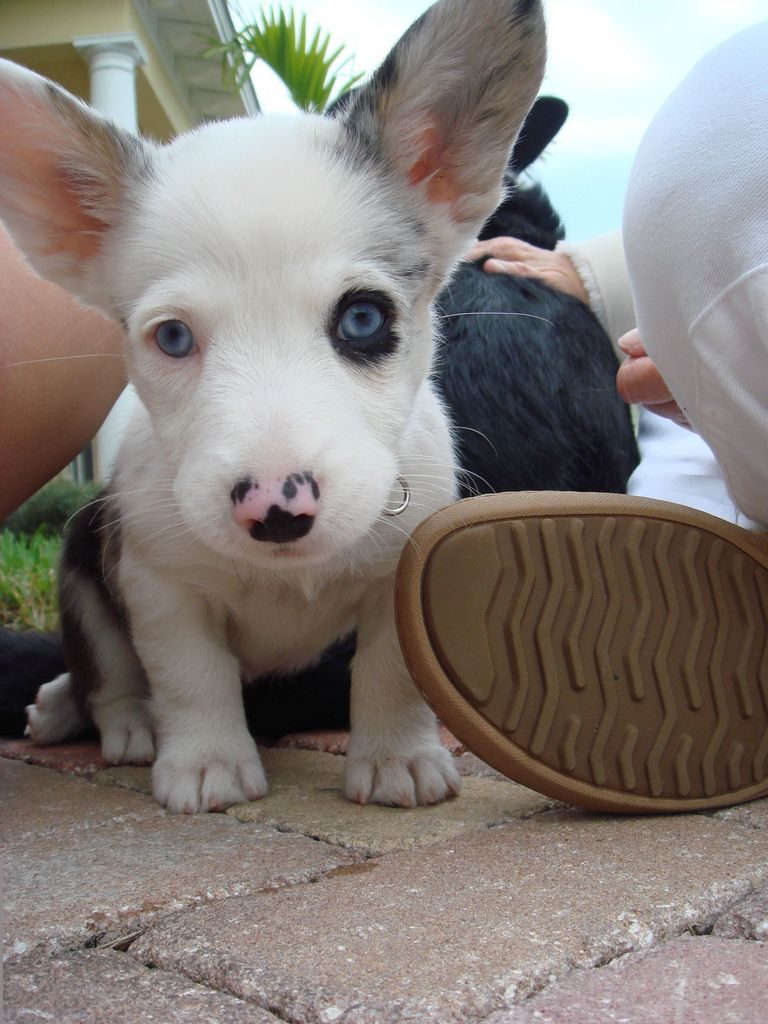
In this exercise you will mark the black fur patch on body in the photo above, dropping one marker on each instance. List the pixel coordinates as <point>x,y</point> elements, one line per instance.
<point>89,557</point>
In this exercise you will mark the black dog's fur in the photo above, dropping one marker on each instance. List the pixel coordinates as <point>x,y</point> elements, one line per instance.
<point>535,407</point>
<point>27,660</point>
<point>529,375</point>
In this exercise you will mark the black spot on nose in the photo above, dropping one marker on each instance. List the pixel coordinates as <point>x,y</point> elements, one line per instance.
<point>290,490</point>
<point>241,488</point>
<point>280,527</point>
<point>296,480</point>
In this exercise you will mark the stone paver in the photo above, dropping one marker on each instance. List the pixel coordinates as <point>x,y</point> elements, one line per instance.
<point>754,814</point>
<point>454,932</point>
<point>328,741</point>
<point>126,776</point>
<point>335,741</point>
<point>305,796</point>
<point>685,981</point>
<point>73,758</point>
<point>104,987</point>
<point>748,919</point>
<point>490,907</point>
<point>470,764</point>
<point>122,862</point>
<point>37,801</point>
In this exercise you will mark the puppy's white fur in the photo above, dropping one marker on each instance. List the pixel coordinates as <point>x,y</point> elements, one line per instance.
<point>249,232</point>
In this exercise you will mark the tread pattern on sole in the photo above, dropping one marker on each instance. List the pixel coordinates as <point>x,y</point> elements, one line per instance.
<point>625,652</point>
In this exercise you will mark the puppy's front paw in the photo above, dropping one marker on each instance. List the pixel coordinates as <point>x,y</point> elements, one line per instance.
<point>187,781</point>
<point>55,715</point>
<point>424,775</point>
<point>126,732</point>
<point>129,744</point>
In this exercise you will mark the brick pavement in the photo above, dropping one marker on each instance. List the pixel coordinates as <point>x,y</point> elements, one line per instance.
<point>498,906</point>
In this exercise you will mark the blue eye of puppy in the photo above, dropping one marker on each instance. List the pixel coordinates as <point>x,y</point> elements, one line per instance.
<point>362,328</point>
<point>175,339</point>
<point>360,322</point>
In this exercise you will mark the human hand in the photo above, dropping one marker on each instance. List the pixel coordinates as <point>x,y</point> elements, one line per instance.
<point>505,255</point>
<point>639,380</point>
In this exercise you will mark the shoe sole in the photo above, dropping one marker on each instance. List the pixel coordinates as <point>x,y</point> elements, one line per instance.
<point>608,651</point>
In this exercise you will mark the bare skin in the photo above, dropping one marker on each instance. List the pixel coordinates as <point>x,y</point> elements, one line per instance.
<point>61,370</point>
<point>513,256</point>
<point>638,380</point>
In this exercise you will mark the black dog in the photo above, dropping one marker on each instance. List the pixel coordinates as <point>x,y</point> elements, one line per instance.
<point>529,375</point>
<point>535,407</point>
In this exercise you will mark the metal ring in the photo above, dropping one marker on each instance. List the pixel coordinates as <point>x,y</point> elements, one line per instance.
<point>404,503</point>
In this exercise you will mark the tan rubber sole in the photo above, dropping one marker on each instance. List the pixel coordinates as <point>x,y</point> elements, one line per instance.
<point>608,651</point>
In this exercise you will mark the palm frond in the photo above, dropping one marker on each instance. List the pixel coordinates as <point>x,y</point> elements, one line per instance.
<point>310,68</point>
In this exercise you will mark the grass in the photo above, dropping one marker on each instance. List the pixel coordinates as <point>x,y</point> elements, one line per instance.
<point>30,541</point>
<point>28,580</point>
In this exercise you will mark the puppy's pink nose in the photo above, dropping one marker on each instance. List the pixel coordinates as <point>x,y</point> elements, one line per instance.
<point>277,511</point>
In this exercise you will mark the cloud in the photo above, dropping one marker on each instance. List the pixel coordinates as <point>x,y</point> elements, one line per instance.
<point>747,11</point>
<point>588,42</point>
<point>616,61</point>
<point>595,133</point>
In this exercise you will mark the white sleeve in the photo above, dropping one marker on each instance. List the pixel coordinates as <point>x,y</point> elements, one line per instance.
<point>601,266</point>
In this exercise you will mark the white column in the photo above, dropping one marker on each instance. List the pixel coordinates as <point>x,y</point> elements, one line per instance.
<point>112,61</point>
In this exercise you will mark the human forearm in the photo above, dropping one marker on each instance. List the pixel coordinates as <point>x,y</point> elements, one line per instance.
<point>61,369</point>
<point>600,264</point>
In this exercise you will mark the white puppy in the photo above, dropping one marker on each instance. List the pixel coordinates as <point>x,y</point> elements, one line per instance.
<point>274,277</point>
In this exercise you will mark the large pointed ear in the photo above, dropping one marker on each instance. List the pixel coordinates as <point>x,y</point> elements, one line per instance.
<point>446,105</point>
<point>545,119</point>
<point>64,175</point>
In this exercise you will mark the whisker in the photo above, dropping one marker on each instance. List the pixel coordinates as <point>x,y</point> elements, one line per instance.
<point>531,316</point>
<point>474,430</point>
<point>131,517</point>
<point>61,359</point>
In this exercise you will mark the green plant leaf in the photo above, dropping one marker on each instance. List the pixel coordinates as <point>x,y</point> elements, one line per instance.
<point>28,588</point>
<point>310,67</point>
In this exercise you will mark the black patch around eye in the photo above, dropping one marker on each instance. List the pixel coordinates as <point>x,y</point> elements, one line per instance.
<point>362,327</point>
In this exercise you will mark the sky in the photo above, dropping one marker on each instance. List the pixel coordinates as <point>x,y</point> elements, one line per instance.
<point>613,61</point>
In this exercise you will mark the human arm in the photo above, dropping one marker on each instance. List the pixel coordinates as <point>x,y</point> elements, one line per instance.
<point>61,370</point>
<point>592,271</point>
<point>595,273</point>
<point>505,255</point>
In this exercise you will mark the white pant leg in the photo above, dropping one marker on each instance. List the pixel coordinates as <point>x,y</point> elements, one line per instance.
<point>678,465</point>
<point>696,240</point>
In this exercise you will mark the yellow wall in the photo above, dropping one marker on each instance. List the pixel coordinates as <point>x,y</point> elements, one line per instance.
<point>26,23</point>
<point>39,34</point>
